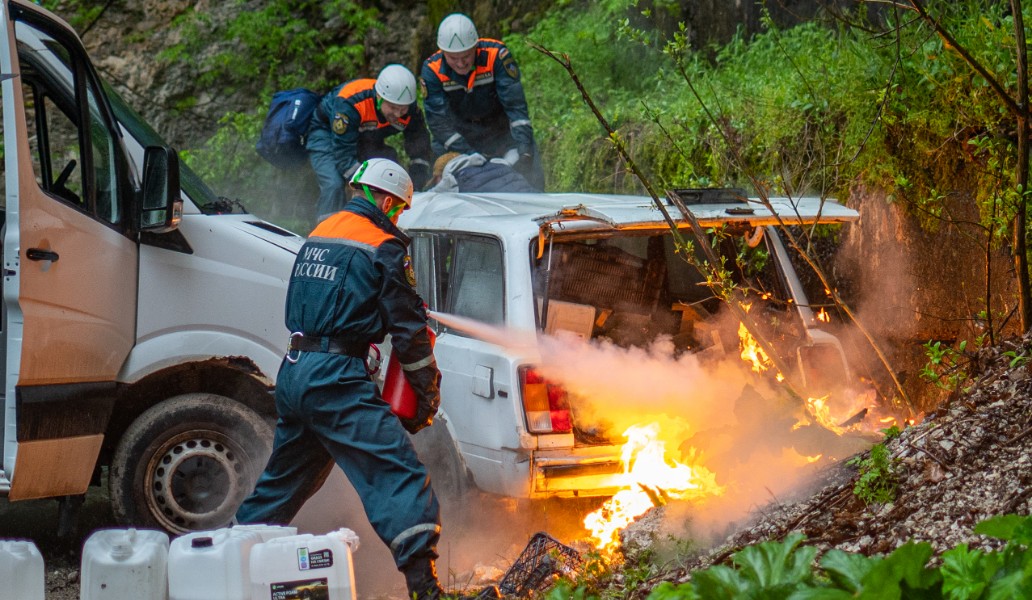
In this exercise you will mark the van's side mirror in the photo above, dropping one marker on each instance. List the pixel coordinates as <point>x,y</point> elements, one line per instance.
<point>161,207</point>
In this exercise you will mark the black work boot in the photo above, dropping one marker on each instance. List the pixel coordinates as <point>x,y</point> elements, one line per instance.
<point>421,579</point>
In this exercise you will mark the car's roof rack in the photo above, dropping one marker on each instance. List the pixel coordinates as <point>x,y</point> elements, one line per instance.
<point>694,196</point>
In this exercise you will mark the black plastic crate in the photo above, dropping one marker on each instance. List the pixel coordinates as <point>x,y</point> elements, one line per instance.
<point>543,561</point>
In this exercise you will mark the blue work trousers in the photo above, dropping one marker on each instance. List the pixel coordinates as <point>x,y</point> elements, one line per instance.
<point>329,409</point>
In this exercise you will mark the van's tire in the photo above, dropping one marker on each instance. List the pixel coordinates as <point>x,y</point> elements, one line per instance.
<point>438,452</point>
<point>187,463</point>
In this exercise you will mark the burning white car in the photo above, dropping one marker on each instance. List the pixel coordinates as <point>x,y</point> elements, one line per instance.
<point>596,270</point>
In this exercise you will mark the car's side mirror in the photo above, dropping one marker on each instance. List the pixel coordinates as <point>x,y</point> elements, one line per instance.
<point>161,207</point>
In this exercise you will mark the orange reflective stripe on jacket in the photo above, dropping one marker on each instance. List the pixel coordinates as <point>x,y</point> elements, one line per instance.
<point>350,226</point>
<point>362,95</point>
<point>482,74</point>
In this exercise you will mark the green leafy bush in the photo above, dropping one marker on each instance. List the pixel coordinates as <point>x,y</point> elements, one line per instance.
<point>784,569</point>
<point>278,44</point>
<point>878,479</point>
<point>947,366</point>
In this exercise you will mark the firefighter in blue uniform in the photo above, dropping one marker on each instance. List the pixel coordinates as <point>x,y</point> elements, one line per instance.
<point>474,99</point>
<point>352,124</point>
<point>351,285</point>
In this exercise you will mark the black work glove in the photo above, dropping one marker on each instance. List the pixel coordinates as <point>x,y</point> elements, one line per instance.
<point>420,174</point>
<point>426,383</point>
<point>525,164</point>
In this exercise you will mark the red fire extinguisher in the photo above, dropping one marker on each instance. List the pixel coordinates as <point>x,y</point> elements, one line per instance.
<point>396,389</point>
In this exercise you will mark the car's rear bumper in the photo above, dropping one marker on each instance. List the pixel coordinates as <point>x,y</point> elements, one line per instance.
<point>577,472</point>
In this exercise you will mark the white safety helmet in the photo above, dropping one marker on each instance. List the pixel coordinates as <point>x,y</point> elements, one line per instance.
<point>456,33</point>
<point>396,84</point>
<point>384,175</point>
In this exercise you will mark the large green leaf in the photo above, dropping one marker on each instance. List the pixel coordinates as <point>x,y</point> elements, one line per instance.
<point>720,582</point>
<point>966,574</point>
<point>777,564</point>
<point>848,570</point>
<point>671,591</point>
<point>903,571</point>
<point>1014,528</point>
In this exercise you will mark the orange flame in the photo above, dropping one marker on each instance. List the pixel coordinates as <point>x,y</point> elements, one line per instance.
<point>751,351</point>
<point>822,412</point>
<point>823,315</point>
<point>648,480</point>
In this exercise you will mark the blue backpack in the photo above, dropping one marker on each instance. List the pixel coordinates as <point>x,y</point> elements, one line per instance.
<point>282,141</point>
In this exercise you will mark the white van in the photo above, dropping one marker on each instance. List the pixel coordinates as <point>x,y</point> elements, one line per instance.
<point>596,266</point>
<point>142,320</point>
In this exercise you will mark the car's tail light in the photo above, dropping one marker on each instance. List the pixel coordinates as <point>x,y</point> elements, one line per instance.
<point>545,403</point>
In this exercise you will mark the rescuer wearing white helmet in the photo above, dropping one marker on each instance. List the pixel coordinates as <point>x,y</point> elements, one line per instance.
<point>387,177</point>
<point>457,33</point>
<point>351,285</point>
<point>474,99</point>
<point>352,124</point>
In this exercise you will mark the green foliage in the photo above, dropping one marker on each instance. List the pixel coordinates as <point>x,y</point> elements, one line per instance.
<point>787,569</point>
<point>970,574</point>
<point>278,44</point>
<point>80,14</point>
<point>643,569</point>
<point>878,479</point>
<point>579,157</point>
<point>564,590</point>
<point>281,45</point>
<point>754,93</point>
<point>946,366</point>
<point>812,109</point>
<point>784,570</point>
<point>1018,358</point>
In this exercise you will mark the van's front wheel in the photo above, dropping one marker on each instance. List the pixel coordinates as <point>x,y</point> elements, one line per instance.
<point>187,463</point>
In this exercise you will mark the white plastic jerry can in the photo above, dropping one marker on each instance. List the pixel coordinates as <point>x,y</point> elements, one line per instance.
<point>305,567</point>
<point>21,570</point>
<point>118,564</point>
<point>268,532</point>
<point>211,565</point>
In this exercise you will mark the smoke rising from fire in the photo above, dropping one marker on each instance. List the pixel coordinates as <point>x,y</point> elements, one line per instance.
<point>731,422</point>
<point>744,428</point>
<point>621,387</point>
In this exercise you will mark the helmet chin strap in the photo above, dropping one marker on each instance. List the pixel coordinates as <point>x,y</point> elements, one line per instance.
<point>368,194</point>
<point>392,212</point>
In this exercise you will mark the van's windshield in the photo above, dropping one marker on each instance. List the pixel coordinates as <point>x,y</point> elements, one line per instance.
<point>192,184</point>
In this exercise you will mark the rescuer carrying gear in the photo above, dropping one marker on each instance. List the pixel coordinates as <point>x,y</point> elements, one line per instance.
<point>352,283</point>
<point>474,99</point>
<point>351,125</point>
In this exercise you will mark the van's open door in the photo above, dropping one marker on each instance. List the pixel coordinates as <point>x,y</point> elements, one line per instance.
<point>69,256</point>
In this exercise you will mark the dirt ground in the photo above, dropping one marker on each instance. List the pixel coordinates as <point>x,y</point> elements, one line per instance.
<point>37,520</point>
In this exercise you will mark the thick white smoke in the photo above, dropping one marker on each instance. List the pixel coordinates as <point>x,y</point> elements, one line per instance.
<point>711,408</point>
